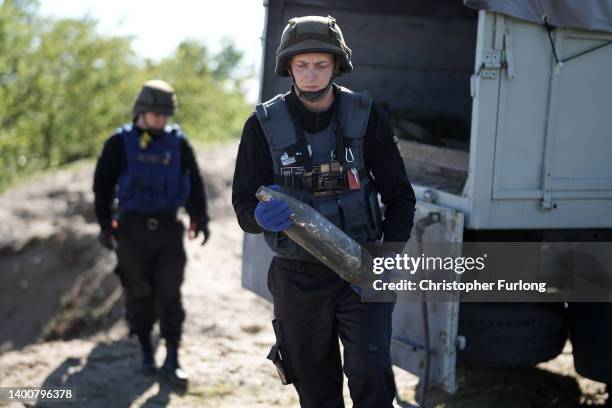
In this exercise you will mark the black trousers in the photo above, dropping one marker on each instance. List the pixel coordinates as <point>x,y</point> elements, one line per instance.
<point>314,307</point>
<point>150,263</point>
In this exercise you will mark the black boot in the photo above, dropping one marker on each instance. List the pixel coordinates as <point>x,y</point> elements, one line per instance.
<point>171,370</point>
<point>147,364</point>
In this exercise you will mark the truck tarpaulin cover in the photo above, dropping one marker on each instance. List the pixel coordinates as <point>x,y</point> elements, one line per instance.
<point>585,14</point>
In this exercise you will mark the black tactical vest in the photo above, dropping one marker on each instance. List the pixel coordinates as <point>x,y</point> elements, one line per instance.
<point>304,167</point>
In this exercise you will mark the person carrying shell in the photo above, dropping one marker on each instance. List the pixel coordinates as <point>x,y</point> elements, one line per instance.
<point>333,149</point>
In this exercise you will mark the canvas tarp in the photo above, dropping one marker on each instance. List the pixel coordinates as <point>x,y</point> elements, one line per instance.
<point>585,14</point>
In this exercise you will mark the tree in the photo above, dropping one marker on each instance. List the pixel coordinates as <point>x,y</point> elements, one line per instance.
<point>227,60</point>
<point>208,110</point>
<point>64,88</point>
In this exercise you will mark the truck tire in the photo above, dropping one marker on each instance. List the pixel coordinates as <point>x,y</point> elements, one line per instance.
<point>511,335</point>
<point>591,336</point>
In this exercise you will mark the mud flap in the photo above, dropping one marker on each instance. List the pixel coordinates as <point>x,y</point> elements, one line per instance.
<point>409,340</point>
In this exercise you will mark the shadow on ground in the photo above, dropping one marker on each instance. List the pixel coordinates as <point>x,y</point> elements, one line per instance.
<point>508,388</point>
<point>109,378</point>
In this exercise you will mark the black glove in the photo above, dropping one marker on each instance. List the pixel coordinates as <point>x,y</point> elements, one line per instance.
<point>107,238</point>
<point>201,226</point>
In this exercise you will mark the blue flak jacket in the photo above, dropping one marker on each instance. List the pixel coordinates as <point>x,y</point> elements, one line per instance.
<point>153,182</point>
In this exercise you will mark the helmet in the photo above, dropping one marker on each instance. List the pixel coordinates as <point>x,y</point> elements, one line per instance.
<point>312,34</point>
<point>155,96</point>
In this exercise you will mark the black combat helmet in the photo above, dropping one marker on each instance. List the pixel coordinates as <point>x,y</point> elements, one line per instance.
<point>312,34</point>
<point>155,96</point>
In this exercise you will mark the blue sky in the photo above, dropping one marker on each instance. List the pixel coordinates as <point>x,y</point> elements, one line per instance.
<point>158,27</point>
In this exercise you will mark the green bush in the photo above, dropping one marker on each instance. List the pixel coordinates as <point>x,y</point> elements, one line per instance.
<point>64,88</point>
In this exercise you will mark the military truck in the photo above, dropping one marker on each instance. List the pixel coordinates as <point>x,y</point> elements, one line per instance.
<point>503,110</point>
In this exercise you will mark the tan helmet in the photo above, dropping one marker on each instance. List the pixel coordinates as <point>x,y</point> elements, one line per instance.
<point>156,96</point>
<point>312,34</point>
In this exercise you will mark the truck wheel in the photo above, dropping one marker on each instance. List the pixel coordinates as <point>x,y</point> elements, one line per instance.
<point>591,335</point>
<point>511,335</point>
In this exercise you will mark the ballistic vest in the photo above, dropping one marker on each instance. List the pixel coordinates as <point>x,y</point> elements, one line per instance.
<point>355,211</point>
<point>153,181</point>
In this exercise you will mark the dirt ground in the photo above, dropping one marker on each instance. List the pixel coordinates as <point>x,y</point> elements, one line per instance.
<point>61,313</point>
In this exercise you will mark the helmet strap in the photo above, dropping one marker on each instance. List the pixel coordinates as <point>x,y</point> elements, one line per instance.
<point>312,96</point>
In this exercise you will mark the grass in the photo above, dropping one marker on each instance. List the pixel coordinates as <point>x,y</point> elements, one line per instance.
<point>217,391</point>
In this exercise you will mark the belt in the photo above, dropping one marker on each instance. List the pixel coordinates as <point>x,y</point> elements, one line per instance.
<point>153,221</point>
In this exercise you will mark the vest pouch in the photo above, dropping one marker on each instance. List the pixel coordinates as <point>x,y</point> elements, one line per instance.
<point>158,202</point>
<point>158,184</point>
<point>284,150</point>
<point>356,215</point>
<point>376,229</point>
<point>328,207</point>
<point>176,192</point>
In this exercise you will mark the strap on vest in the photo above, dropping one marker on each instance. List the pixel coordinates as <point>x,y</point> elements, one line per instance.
<point>262,113</point>
<point>282,127</point>
<point>309,183</point>
<point>339,134</point>
<point>301,143</point>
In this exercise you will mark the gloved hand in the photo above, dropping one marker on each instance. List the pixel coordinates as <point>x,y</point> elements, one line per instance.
<point>197,227</point>
<point>107,238</point>
<point>273,215</point>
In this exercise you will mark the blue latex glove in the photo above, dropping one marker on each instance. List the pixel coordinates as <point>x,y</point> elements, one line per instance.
<point>273,215</point>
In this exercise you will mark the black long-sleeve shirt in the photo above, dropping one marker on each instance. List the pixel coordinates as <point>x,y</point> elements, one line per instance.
<point>254,168</point>
<point>113,162</point>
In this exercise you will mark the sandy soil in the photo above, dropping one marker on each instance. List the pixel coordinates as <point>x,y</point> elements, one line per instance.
<point>61,309</point>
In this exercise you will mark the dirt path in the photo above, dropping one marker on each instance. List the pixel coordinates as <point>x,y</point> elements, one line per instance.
<point>227,331</point>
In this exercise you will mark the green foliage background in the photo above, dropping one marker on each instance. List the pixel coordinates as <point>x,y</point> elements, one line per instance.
<point>64,88</point>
